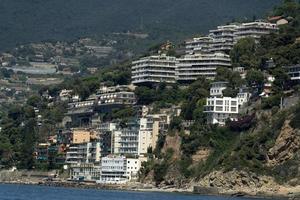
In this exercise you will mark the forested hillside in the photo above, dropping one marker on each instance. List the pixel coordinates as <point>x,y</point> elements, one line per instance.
<point>35,20</point>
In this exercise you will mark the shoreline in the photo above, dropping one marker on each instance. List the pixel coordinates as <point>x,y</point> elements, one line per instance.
<point>95,186</point>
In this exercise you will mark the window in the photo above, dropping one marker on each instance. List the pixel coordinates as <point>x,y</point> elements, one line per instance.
<point>219,108</point>
<point>219,102</point>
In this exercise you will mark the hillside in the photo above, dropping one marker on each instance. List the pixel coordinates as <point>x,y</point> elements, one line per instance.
<point>34,20</point>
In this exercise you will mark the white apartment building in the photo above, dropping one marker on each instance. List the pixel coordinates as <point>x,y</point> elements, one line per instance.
<point>150,127</point>
<point>191,67</point>
<point>294,72</point>
<point>126,140</point>
<point>122,95</point>
<point>217,88</point>
<point>223,38</point>
<point>83,153</point>
<point>220,109</point>
<point>85,171</point>
<point>119,169</point>
<point>133,166</point>
<point>153,69</point>
<point>113,170</point>
<point>255,30</point>
<point>200,44</point>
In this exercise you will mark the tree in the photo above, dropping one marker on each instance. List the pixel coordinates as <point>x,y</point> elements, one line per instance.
<point>176,123</point>
<point>34,100</point>
<point>145,95</point>
<point>29,142</point>
<point>243,54</point>
<point>281,79</point>
<point>255,78</point>
<point>233,78</point>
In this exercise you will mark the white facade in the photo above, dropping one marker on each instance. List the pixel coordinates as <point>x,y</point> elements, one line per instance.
<point>133,166</point>
<point>255,30</point>
<point>145,134</point>
<point>191,67</point>
<point>223,38</point>
<point>85,171</point>
<point>116,97</point>
<point>83,153</point>
<point>119,169</point>
<point>113,170</point>
<point>150,127</point>
<point>154,69</point>
<point>200,44</point>
<point>126,141</point>
<point>217,88</point>
<point>221,109</point>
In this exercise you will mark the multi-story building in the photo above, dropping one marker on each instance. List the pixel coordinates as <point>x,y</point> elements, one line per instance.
<point>254,30</point>
<point>133,166</point>
<point>126,139</point>
<point>217,88</point>
<point>220,109</point>
<point>145,134</point>
<point>83,153</point>
<point>83,113</point>
<point>80,113</point>
<point>48,153</point>
<point>119,169</point>
<point>150,127</point>
<point>117,95</point>
<point>200,44</point>
<point>113,170</point>
<point>153,70</point>
<point>106,130</point>
<point>191,67</point>
<point>223,38</point>
<point>85,172</point>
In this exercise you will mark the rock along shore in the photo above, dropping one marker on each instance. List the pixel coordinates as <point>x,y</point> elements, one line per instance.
<point>149,188</point>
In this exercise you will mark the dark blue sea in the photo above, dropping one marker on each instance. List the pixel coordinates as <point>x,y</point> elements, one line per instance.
<point>29,192</point>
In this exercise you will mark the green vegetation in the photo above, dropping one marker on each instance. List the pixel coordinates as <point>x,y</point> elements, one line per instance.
<point>18,137</point>
<point>243,145</point>
<point>243,54</point>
